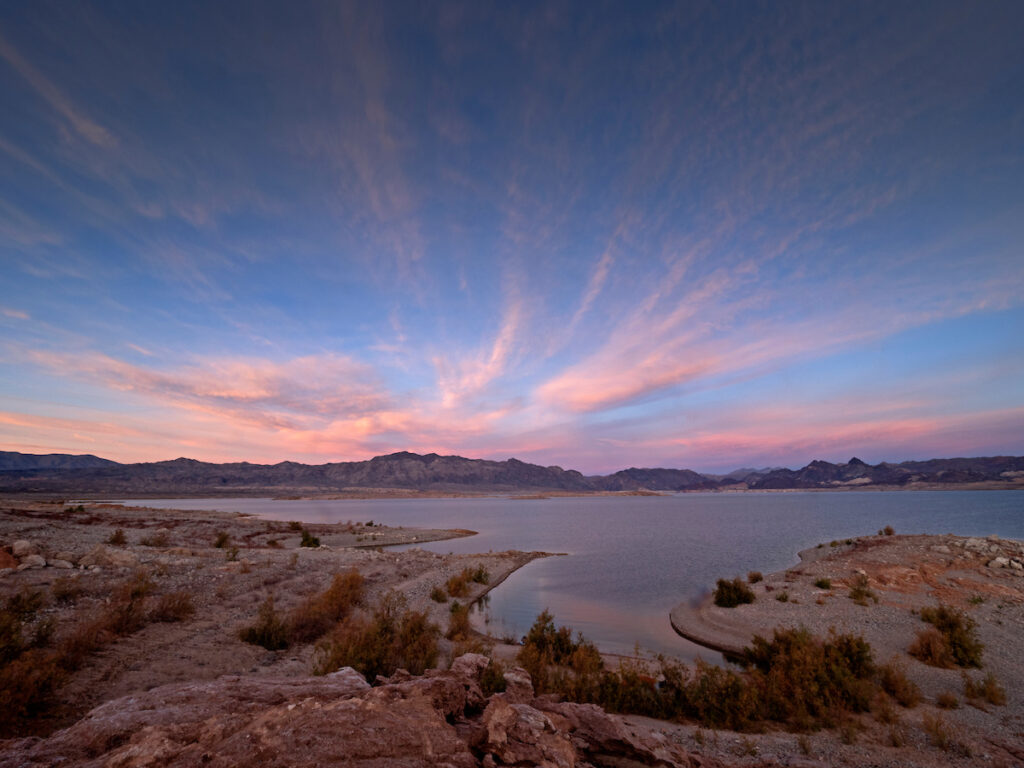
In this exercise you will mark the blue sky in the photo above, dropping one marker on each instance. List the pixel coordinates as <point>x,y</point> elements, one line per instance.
<point>593,235</point>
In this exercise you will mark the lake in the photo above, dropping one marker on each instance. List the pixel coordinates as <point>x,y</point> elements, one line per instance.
<point>630,559</point>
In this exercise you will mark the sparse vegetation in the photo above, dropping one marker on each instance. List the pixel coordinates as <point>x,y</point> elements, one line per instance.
<point>438,595</point>
<point>729,594</point>
<point>173,606</point>
<point>158,539</point>
<point>309,540</point>
<point>947,700</point>
<point>221,539</point>
<point>394,637</point>
<point>953,641</point>
<point>823,583</point>
<point>315,616</point>
<point>938,731</point>
<point>66,589</point>
<point>458,622</point>
<point>988,690</point>
<point>888,530</point>
<point>754,576</point>
<point>860,593</point>
<point>269,630</point>
<point>894,681</point>
<point>117,538</point>
<point>458,585</point>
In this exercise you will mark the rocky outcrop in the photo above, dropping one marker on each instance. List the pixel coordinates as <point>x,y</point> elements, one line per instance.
<point>439,719</point>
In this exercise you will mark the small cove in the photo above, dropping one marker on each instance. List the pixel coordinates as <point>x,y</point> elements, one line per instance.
<point>630,559</point>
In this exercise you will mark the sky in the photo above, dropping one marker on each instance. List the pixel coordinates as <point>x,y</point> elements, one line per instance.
<point>712,236</point>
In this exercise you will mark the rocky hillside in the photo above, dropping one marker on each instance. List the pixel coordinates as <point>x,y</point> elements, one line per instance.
<point>84,475</point>
<point>12,460</point>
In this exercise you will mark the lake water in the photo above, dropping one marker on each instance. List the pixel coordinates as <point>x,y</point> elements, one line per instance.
<point>630,559</point>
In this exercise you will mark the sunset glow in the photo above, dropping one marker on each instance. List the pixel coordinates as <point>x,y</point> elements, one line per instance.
<point>703,236</point>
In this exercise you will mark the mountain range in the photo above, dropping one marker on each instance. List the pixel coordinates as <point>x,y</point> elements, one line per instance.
<point>90,475</point>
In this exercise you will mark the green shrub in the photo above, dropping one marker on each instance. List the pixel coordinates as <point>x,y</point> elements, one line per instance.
<point>492,679</point>
<point>823,583</point>
<point>959,633</point>
<point>308,539</point>
<point>782,597</point>
<point>221,539</point>
<point>393,638</point>
<point>729,594</point>
<point>269,630</point>
<point>458,585</point>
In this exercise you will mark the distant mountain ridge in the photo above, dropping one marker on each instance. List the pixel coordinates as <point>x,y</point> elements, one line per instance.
<point>12,460</point>
<point>59,473</point>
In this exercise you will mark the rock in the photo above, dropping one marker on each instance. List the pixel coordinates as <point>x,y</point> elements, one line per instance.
<point>65,555</point>
<point>518,734</point>
<point>21,548</point>
<point>999,562</point>
<point>976,545</point>
<point>942,549</point>
<point>518,685</point>
<point>7,560</point>
<point>59,564</point>
<point>32,561</point>
<point>106,556</point>
<point>1017,565</point>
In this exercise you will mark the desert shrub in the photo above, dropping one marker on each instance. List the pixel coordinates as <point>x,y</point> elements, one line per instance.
<point>158,539</point>
<point>393,638</point>
<point>754,576</point>
<point>221,539</point>
<point>438,595</point>
<point>294,525</point>
<point>492,679</point>
<point>988,689</point>
<point>937,730</point>
<point>782,597</point>
<point>888,530</point>
<point>309,540</point>
<point>269,630</point>
<point>117,538</point>
<point>859,591</point>
<point>480,575</point>
<point>126,612</point>
<point>273,543</point>
<point>29,684</point>
<point>231,555</point>
<point>66,589</point>
<point>173,606</point>
<point>315,616</point>
<point>458,585</point>
<point>894,681</point>
<point>24,603</point>
<point>729,594</point>
<point>959,633</point>
<point>947,700</point>
<point>458,622</point>
<point>802,679</point>
<point>930,647</point>
<point>823,583</point>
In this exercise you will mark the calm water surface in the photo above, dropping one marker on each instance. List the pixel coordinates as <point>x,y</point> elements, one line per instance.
<point>630,559</point>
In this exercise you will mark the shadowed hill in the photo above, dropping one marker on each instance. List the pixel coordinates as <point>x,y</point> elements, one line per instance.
<point>58,474</point>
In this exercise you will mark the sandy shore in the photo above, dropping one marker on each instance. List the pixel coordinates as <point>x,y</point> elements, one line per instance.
<point>176,549</point>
